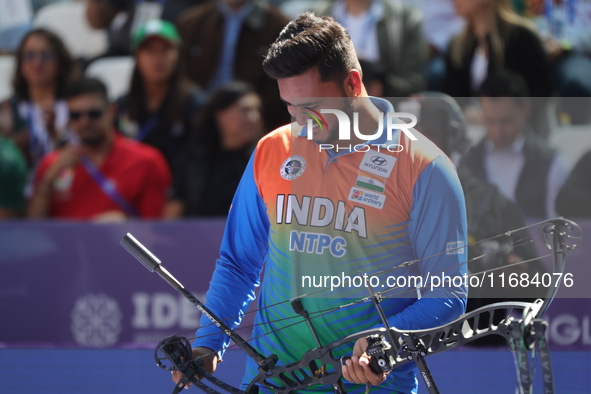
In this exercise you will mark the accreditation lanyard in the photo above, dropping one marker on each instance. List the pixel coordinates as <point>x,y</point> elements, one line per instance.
<point>39,141</point>
<point>108,187</point>
<point>147,127</point>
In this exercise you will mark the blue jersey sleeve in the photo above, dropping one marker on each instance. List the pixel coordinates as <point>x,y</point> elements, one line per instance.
<point>438,234</point>
<point>244,249</point>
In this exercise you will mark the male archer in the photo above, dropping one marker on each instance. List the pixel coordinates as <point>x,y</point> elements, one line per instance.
<point>305,211</point>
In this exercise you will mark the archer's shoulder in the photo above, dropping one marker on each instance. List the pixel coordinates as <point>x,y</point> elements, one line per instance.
<point>280,137</point>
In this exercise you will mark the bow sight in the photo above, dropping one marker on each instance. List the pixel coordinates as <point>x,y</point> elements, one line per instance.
<point>519,322</point>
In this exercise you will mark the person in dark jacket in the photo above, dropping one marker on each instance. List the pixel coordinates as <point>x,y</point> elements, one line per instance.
<point>522,165</point>
<point>207,174</point>
<point>225,40</point>
<point>574,198</point>
<point>388,33</point>
<point>496,38</point>
<point>491,217</point>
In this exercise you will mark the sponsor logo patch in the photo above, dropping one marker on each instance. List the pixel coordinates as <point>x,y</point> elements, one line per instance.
<point>377,163</point>
<point>369,198</point>
<point>456,247</point>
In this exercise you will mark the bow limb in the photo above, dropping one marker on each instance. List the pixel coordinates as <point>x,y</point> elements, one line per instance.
<point>556,233</point>
<point>467,328</point>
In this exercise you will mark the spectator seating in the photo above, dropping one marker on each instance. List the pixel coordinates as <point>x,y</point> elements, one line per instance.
<point>6,71</point>
<point>68,21</point>
<point>115,72</point>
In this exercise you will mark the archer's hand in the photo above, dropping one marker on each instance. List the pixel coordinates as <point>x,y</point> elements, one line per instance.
<point>357,369</point>
<point>210,362</point>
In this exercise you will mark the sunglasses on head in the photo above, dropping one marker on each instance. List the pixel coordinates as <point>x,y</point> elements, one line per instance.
<point>44,56</point>
<point>93,114</point>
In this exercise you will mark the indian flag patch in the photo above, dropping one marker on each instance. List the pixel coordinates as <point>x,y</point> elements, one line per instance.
<point>370,182</point>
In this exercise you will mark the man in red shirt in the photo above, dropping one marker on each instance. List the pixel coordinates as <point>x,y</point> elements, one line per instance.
<point>99,175</point>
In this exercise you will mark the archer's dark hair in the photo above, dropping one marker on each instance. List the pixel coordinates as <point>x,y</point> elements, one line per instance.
<point>504,83</point>
<point>208,134</point>
<point>87,86</point>
<point>312,41</point>
<point>66,66</point>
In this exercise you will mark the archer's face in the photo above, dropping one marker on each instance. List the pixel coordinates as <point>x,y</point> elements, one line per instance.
<point>307,92</point>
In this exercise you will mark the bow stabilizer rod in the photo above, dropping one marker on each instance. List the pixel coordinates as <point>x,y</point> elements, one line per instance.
<point>153,264</point>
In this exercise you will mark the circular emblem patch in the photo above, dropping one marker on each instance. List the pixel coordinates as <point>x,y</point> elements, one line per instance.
<point>293,167</point>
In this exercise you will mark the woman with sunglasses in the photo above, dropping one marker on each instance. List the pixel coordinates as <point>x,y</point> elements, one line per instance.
<point>161,105</point>
<point>36,116</point>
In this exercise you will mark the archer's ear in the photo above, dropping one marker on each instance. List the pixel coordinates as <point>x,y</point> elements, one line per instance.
<point>353,84</point>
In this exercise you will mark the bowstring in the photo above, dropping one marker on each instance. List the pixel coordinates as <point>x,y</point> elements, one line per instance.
<point>513,244</point>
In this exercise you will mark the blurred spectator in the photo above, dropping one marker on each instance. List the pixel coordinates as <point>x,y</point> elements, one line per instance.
<point>524,168</point>
<point>574,199</point>
<point>161,105</point>
<point>226,40</point>
<point>38,4</point>
<point>491,216</point>
<point>16,19</point>
<point>565,27</point>
<point>36,116</point>
<point>116,17</point>
<point>389,33</point>
<point>495,38</point>
<point>208,174</point>
<point>100,175</point>
<point>13,175</point>
<point>440,25</point>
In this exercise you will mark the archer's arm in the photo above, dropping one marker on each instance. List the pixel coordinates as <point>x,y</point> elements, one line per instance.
<point>437,223</point>
<point>243,251</point>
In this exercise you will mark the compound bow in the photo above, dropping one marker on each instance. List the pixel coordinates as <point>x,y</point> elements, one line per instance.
<point>388,346</point>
